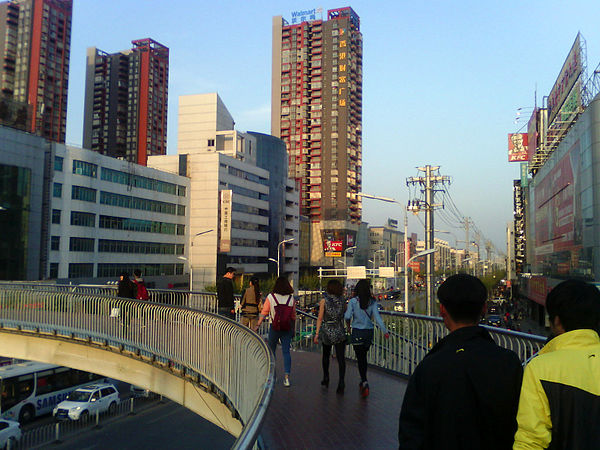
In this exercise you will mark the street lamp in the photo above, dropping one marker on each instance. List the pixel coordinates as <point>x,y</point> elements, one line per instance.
<point>278,251</point>
<point>423,253</point>
<point>190,256</point>
<point>346,259</point>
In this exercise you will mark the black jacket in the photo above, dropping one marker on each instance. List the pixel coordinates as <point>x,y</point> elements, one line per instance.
<point>463,395</point>
<point>225,293</point>
<point>126,289</point>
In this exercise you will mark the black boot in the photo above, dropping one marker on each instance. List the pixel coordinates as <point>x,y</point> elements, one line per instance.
<point>340,388</point>
<point>325,381</point>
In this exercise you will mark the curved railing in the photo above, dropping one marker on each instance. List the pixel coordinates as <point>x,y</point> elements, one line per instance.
<point>411,337</point>
<point>214,353</point>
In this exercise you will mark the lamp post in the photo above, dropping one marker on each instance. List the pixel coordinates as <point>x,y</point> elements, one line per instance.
<point>418,255</point>
<point>346,260</point>
<point>278,251</point>
<point>190,256</point>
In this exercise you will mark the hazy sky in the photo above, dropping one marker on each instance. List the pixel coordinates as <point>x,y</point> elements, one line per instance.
<point>441,86</point>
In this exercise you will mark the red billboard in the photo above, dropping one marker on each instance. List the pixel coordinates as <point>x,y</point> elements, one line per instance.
<point>333,249</point>
<point>517,147</point>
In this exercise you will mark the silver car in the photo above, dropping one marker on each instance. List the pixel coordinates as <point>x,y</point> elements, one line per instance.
<point>88,401</point>
<point>10,431</point>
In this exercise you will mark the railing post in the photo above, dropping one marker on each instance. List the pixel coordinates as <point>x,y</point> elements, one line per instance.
<point>97,418</point>
<point>131,413</point>
<point>57,432</point>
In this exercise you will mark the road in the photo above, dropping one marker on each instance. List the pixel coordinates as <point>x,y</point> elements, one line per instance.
<point>164,425</point>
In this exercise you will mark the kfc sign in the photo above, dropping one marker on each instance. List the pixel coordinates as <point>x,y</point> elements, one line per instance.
<point>517,147</point>
<point>333,249</point>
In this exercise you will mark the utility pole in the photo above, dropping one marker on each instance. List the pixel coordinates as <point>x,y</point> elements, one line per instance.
<point>428,183</point>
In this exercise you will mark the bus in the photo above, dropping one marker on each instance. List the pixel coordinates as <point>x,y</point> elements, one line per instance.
<point>30,389</point>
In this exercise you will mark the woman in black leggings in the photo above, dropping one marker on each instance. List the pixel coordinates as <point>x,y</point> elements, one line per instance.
<point>330,331</point>
<point>362,313</point>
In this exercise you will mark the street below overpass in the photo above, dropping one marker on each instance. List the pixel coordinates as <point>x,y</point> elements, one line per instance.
<point>164,425</point>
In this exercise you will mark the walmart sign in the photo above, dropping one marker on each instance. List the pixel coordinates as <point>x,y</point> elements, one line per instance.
<point>306,15</point>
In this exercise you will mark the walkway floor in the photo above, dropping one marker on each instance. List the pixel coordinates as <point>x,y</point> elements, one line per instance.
<point>308,416</point>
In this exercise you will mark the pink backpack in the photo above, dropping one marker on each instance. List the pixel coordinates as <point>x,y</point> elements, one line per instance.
<point>283,314</point>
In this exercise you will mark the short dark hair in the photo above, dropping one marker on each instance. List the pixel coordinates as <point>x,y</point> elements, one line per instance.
<point>464,297</point>
<point>124,274</point>
<point>335,287</point>
<point>230,270</point>
<point>577,305</point>
<point>137,272</point>
<point>282,286</point>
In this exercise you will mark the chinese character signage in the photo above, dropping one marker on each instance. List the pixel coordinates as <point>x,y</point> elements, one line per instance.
<point>517,147</point>
<point>225,223</point>
<point>307,15</point>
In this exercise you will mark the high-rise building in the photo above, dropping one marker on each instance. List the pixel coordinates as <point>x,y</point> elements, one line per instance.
<point>317,111</point>
<point>125,113</point>
<point>35,37</point>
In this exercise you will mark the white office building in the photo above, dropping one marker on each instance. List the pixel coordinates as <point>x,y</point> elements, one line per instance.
<point>229,195</point>
<point>108,216</point>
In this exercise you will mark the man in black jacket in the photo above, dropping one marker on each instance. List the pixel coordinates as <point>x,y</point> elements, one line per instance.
<point>465,392</point>
<point>225,293</point>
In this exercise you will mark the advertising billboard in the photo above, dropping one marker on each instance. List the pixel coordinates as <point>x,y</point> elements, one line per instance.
<point>569,74</point>
<point>517,147</point>
<point>532,134</point>
<point>333,249</point>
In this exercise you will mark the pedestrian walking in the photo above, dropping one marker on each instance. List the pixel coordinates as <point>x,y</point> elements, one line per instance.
<point>141,290</point>
<point>251,304</point>
<point>464,394</point>
<point>280,306</point>
<point>559,405</point>
<point>330,331</point>
<point>126,288</point>
<point>225,298</point>
<point>361,315</point>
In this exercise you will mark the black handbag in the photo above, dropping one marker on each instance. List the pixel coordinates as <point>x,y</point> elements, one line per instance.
<point>361,336</point>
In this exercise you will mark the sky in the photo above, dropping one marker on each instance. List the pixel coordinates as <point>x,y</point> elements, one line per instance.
<point>442,82</point>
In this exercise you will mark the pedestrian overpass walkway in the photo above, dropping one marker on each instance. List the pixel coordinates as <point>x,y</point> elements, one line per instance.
<point>308,416</point>
<point>220,369</point>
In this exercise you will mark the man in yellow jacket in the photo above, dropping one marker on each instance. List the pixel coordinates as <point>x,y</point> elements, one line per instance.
<point>559,407</point>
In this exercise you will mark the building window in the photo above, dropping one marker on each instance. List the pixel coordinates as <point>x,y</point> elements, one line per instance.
<point>211,142</point>
<point>77,244</point>
<point>83,193</point>
<point>81,270</point>
<point>56,216</point>
<point>83,219</point>
<point>55,243</point>
<point>85,168</point>
<point>57,193</point>
<point>53,270</point>
<point>58,163</point>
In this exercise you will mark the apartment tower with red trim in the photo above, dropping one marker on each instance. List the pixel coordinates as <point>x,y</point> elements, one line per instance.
<point>126,94</point>
<point>316,110</point>
<point>35,39</point>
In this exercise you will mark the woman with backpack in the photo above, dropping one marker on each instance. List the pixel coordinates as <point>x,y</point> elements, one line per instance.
<point>362,313</point>
<point>280,306</point>
<point>330,331</point>
<point>251,304</point>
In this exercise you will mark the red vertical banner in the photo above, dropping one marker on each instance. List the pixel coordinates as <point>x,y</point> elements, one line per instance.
<point>34,61</point>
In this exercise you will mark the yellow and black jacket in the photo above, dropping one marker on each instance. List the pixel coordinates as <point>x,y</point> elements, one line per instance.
<point>559,407</point>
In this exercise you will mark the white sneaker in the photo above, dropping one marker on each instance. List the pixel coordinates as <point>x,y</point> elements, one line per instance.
<point>286,381</point>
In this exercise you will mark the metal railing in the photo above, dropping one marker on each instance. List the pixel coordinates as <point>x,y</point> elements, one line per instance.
<point>202,301</point>
<point>215,353</point>
<point>411,337</point>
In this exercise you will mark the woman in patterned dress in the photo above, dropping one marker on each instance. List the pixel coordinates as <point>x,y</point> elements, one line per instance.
<point>331,332</point>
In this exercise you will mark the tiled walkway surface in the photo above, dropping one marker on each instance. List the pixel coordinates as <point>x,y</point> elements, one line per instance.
<point>308,416</point>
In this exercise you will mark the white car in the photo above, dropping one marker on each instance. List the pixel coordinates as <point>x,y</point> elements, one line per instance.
<point>10,431</point>
<point>399,306</point>
<point>137,391</point>
<point>87,401</point>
